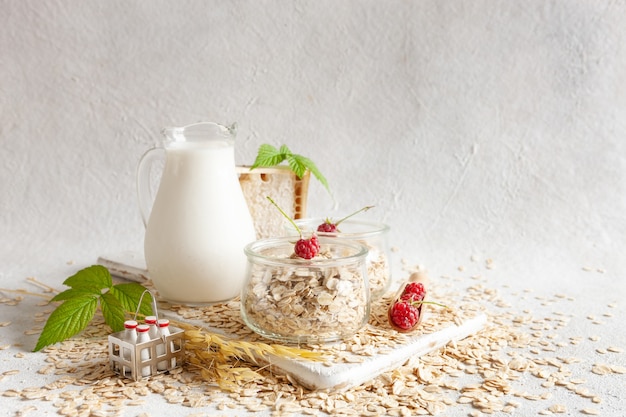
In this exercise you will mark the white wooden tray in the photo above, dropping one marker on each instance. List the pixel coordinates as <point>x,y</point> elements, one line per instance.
<point>316,375</point>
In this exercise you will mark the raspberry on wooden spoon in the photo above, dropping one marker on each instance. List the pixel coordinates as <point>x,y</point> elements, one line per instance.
<point>304,248</point>
<point>405,311</point>
<point>404,315</point>
<point>413,291</point>
<point>329,227</point>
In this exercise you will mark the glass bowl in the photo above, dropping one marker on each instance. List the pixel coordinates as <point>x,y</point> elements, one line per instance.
<point>372,235</point>
<point>296,300</point>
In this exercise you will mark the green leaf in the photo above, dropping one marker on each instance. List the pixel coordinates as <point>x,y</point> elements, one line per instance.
<point>129,294</point>
<point>300,163</point>
<point>95,276</point>
<point>80,302</point>
<point>316,172</point>
<point>296,165</point>
<point>284,150</point>
<point>113,312</point>
<point>68,319</point>
<point>76,292</point>
<point>268,156</point>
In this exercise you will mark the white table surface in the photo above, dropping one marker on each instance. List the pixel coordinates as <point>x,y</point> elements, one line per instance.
<point>587,297</point>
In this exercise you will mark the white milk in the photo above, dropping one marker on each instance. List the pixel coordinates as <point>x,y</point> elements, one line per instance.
<point>199,225</point>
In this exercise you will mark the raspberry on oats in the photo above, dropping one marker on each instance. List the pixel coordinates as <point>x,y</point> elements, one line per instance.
<point>333,227</point>
<point>307,248</point>
<point>304,248</point>
<point>327,227</point>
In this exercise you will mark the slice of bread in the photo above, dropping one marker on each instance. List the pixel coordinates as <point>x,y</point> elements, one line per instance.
<point>284,187</point>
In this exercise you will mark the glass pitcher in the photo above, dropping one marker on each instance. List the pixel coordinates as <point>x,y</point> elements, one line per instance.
<point>199,223</point>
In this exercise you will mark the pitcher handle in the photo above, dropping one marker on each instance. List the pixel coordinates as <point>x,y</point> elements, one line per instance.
<point>144,191</point>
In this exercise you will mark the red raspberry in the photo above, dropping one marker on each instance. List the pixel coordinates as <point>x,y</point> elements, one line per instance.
<point>307,248</point>
<point>414,291</point>
<point>327,227</point>
<point>404,315</point>
<point>304,248</point>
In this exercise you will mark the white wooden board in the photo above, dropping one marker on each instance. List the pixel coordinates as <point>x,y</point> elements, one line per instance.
<point>316,375</point>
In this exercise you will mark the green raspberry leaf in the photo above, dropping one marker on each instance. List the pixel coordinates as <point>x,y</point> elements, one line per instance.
<point>80,302</point>
<point>95,276</point>
<point>269,156</point>
<point>284,150</point>
<point>68,319</point>
<point>76,292</point>
<point>113,312</point>
<point>299,164</point>
<point>296,165</point>
<point>129,295</point>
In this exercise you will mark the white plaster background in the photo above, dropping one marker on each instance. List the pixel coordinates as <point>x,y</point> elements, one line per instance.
<point>474,127</point>
<point>487,128</point>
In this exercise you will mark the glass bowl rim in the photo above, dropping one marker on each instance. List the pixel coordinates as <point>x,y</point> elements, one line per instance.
<point>252,252</point>
<point>378,228</point>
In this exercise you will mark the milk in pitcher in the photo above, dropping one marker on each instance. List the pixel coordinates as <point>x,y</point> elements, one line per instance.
<point>199,224</point>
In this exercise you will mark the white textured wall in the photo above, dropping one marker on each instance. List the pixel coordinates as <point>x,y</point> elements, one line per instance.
<point>476,127</point>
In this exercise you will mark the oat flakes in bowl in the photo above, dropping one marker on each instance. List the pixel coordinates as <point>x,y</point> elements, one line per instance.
<point>294,300</point>
<point>372,235</point>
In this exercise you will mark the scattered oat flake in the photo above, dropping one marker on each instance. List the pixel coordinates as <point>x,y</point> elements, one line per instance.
<point>615,349</point>
<point>601,369</point>
<point>11,372</point>
<point>618,369</point>
<point>558,408</point>
<point>590,411</point>
<point>26,410</point>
